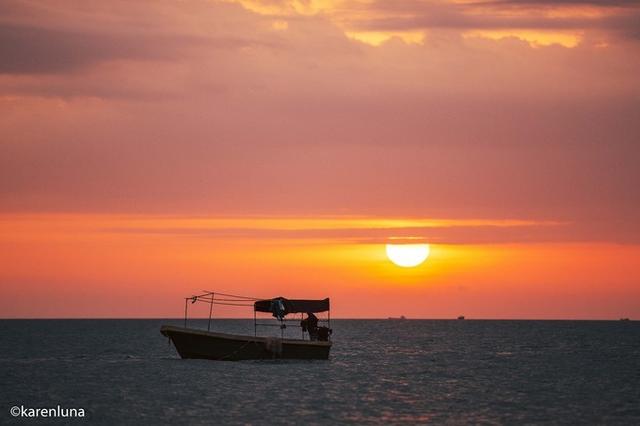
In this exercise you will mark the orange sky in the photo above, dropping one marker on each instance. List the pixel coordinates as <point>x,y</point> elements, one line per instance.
<point>150,150</point>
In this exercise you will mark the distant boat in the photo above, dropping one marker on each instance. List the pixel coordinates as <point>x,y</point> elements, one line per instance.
<point>461,317</point>
<point>205,344</point>
<point>624,319</point>
<point>400,318</point>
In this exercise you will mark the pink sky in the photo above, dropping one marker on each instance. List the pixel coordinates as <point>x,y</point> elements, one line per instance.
<point>115,115</point>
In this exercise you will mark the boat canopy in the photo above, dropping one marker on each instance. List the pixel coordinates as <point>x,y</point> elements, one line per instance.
<point>279,306</point>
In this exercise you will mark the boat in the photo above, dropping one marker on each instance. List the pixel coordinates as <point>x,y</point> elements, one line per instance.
<point>461,317</point>
<point>315,342</point>
<point>400,318</point>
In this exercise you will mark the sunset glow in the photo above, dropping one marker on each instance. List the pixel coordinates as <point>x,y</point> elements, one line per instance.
<point>150,150</point>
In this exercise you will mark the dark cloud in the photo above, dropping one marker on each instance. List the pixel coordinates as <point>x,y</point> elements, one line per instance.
<point>36,50</point>
<point>26,49</point>
<point>416,15</point>
<point>600,3</point>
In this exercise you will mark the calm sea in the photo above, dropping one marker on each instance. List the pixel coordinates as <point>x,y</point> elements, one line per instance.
<point>412,372</point>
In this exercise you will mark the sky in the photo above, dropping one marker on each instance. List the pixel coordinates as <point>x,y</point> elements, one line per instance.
<point>153,149</point>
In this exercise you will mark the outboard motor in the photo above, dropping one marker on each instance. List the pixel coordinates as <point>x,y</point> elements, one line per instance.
<point>324,333</point>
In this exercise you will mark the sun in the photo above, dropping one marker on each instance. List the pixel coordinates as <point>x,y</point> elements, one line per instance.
<point>407,255</point>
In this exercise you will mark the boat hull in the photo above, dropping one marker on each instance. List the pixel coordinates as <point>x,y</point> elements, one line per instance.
<point>202,344</point>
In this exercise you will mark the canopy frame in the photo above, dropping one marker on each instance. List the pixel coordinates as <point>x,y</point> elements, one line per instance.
<point>291,306</point>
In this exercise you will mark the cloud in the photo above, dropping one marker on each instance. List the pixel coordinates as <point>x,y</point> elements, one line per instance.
<point>41,38</point>
<point>35,50</point>
<point>205,107</point>
<point>413,15</point>
<point>38,50</point>
<point>537,3</point>
<point>501,15</point>
<point>307,230</point>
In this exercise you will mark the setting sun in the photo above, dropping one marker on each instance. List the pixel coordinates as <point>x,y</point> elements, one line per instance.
<point>407,255</point>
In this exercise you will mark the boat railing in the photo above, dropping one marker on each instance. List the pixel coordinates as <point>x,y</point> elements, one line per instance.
<point>215,298</point>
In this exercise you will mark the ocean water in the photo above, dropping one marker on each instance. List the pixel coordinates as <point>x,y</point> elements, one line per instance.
<point>391,372</point>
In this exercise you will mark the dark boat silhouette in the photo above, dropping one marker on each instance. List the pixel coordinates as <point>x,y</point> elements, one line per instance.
<point>205,344</point>
<point>461,317</point>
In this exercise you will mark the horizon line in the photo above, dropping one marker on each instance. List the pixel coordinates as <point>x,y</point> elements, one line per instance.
<point>335,318</point>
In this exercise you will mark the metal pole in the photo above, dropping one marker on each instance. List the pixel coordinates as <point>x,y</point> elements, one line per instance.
<point>255,327</point>
<point>210,311</point>
<point>186,303</point>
